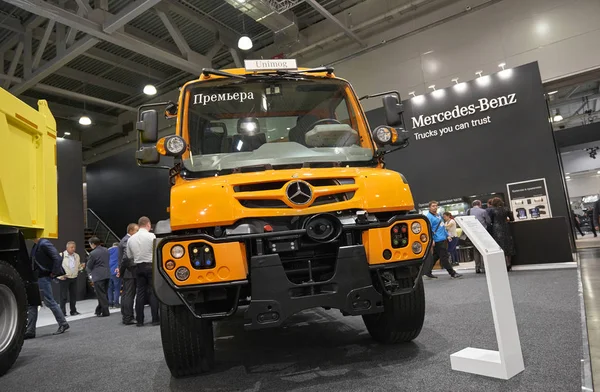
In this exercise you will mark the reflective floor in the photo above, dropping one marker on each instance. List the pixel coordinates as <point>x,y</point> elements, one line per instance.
<point>590,276</point>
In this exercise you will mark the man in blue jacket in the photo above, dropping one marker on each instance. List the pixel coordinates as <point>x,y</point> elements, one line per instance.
<point>440,243</point>
<point>114,285</point>
<point>46,264</point>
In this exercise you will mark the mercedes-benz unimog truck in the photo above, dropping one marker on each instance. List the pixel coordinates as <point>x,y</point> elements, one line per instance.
<point>280,202</point>
<point>28,209</point>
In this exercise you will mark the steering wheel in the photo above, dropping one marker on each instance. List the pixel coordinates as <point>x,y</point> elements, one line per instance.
<point>322,121</point>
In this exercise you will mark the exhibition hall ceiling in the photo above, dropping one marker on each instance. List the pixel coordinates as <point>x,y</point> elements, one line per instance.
<point>574,101</point>
<point>101,58</point>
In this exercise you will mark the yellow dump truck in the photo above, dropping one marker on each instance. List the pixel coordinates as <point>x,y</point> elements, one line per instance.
<point>280,202</point>
<point>28,209</point>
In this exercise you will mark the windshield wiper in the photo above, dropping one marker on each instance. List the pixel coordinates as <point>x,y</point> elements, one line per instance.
<point>329,71</point>
<point>211,71</point>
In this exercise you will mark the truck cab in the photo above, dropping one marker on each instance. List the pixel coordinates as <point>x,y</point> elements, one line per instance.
<point>280,202</point>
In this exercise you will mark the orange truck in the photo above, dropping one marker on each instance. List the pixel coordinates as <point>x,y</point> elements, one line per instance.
<point>28,209</point>
<point>280,202</point>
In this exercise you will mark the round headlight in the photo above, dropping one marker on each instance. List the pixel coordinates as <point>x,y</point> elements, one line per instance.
<point>182,273</point>
<point>177,251</point>
<point>423,237</point>
<point>382,135</point>
<point>175,145</point>
<point>415,227</point>
<point>170,264</point>
<point>417,247</point>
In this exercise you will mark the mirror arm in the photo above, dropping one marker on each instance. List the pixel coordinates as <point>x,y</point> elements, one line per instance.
<point>400,147</point>
<point>396,93</point>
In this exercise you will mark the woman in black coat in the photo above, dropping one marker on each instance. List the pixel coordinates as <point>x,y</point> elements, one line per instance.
<point>500,216</point>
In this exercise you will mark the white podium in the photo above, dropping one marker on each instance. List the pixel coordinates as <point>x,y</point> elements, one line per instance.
<point>508,360</point>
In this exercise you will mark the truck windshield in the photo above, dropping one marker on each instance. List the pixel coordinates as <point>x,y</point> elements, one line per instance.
<point>233,124</point>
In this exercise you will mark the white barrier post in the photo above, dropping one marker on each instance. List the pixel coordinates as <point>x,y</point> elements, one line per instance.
<point>508,360</point>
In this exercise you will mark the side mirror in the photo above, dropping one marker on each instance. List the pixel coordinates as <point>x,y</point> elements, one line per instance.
<point>384,135</point>
<point>148,126</point>
<point>147,156</point>
<point>393,110</point>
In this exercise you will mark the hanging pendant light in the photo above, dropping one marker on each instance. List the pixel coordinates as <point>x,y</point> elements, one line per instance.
<point>85,120</point>
<point>245,43</point>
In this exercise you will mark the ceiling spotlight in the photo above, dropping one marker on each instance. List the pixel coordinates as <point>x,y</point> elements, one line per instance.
<point>412,93</point>
<point>455,80</point>
<point>85,120</point>
<point>432,87</point>
<point>149,89</point>
<point>552,92</point>
<point>245,43</point>
<point>557,117</point>
<point>502,65</point>
<point>568,177</point>
<point>478,73</point>
<point>67,134</point>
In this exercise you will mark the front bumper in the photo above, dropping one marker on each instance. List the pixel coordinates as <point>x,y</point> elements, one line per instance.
<point>355,287</point>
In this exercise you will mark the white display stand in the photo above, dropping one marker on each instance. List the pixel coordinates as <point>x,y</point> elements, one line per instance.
<point>508,360</point>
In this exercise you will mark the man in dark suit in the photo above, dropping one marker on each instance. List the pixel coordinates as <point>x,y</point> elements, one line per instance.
<point>46,264</point>
<point>127,273</point>
<point>98,266</point>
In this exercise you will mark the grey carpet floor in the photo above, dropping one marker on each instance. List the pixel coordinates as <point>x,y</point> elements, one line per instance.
<point>323,351</point>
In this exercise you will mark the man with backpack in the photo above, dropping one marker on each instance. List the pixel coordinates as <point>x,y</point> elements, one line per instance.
<point>440,243</point>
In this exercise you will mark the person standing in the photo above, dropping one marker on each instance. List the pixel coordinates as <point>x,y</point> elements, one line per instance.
<point>577,223</point>
<point>483,216</point>
<point>140,248</point>
<point>114,285</point>
<point>46,264</point>
<point>440,243</point>
<point>450,225</point>
<point>590,214</point>
<point>500,216</point>
<point>127,274</point>
<point>71,263</point>
<point>98,266</point>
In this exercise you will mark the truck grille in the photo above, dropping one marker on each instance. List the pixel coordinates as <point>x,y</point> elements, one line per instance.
<point>247,197</point>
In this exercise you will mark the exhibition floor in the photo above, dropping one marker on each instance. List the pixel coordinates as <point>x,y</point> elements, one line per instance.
<point>590,276</point>
<point>323,351</point>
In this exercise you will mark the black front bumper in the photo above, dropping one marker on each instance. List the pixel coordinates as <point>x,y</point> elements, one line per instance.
<point>275,298</point>
<point>355,289</point>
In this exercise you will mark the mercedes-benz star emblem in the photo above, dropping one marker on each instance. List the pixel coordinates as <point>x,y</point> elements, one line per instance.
<point>299,192</point>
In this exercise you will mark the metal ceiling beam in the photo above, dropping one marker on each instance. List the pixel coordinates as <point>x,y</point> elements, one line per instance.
<point>84,6</point>
<point>13,65</point>
<point>42,45</point>
<point>323,11</point>
<point>31,23</point>
<point>174,31</point>
<point>71,112</point>
<point>13,24</point>
<point>128,65</point>
<point>193,64</point>
<point>109,58</point>
<point>127,14</point>
<point>227,36</point>
<point>50,67</point>
<point>70,94</point>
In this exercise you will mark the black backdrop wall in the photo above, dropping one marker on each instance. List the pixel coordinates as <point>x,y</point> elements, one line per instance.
<point>475,137</point>
<point>120,192</point>
<point>70,204</point>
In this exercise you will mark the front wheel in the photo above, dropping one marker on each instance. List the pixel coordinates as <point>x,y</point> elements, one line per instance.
<point>402,318</point>
<point>13,315</point>
<point>187,341</point>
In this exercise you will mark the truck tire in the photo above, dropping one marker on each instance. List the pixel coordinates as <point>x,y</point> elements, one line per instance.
<point>13,315</point>
<point>402,319</point>
<point>187,341</point>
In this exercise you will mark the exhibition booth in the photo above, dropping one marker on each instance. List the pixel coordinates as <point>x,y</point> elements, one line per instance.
<point>489,137</point>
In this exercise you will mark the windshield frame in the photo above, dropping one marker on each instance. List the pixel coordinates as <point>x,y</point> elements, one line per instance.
<point>357,119</point>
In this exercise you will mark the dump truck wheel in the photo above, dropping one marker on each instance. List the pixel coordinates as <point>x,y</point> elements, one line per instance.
<point>13,315</point>
<point>187,341</point>
<point>402,319</point>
